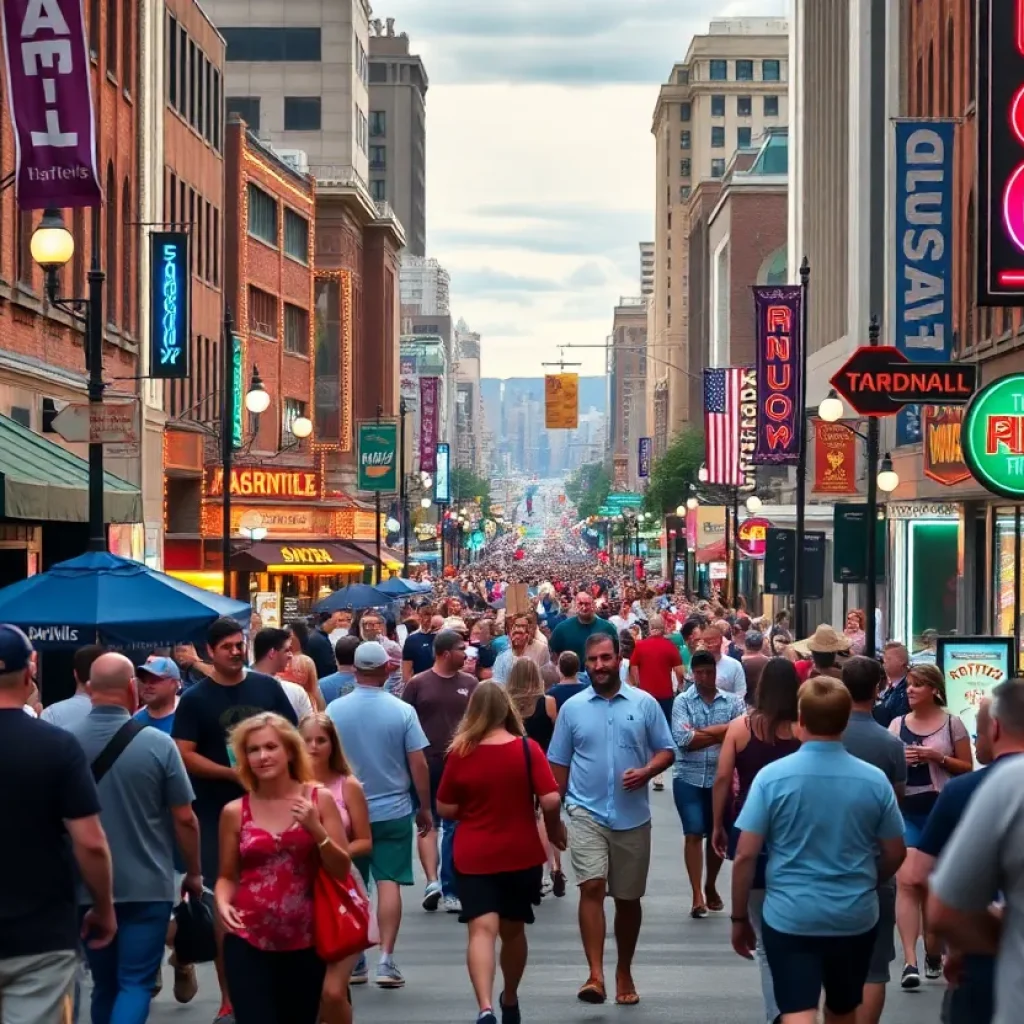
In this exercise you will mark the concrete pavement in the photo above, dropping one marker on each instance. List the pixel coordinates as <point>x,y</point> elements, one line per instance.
<point>685,970</point>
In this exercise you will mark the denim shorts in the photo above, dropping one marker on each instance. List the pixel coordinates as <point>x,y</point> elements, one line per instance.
<point>694,804</point>
<point>913,829</point>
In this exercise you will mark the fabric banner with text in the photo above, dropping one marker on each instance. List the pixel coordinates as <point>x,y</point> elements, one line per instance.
<point>835,459</point>
<point>561,401</point>
<point>780,426</point>
<point>429,414</point>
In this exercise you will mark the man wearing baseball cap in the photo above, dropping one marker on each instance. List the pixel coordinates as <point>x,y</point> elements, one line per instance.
<point>159,683</point>
<point>48,793</point>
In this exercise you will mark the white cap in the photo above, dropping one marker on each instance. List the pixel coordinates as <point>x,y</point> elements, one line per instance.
<point>370,655</point>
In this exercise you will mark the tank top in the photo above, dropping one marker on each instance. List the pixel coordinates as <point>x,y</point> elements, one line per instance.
<point>539,726</point>
<point>337,790</point>
<point>274,897</point>
<point>756,755</point>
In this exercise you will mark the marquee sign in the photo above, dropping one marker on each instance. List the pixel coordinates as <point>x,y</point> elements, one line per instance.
<point>780,415</point>
<point>992,437</point>
<point>170,321</point>
<point>251,482</point>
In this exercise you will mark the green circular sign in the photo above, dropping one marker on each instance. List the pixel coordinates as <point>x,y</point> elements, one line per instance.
<point>992,437</point>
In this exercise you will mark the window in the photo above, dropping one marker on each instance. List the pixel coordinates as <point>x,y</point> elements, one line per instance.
<point>362,129</point>
<point>378,74</point>
<point>272,44</point>
<point>111,213</point>
<point>685,111</point>
<point>771,106</point>
<point>216,247</point>
<point>378,158</point>
<point>111,54</point>
<point>930,94</point>
<point>684,139</point>
<point>201,81</point>
<point>262,313</point>
<point>208,107</point>
<point>684,193</point>
<point>128,234</point>
<point>684,168</point>
<point>94,27</point>
<point>217,113</point>
<point>22,252</point>
<point>718,106</point>
<point>262,215</point>
<point>744,71</point>
<point>302,113</point>
<point>717,137</point>
<point>172,62</point>
<point>247,108</point>
<point>950,78</point>
<point>127,38</point>
<point>743,138</point>
<point>362,64</point>
<point>719,70</point>
<point>683,76</point>
<point>717,167</point>
<point>296,330</point>
<point>378,123</point>
<point>192,90</point>
<point>292,407</point>
<point>182,70</point>
<point>744,106</point>
<point>379,189</point>
<point>770,71</point>
<point>296,236</point>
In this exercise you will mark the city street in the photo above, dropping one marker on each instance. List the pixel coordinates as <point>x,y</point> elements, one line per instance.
<point>686,970</point>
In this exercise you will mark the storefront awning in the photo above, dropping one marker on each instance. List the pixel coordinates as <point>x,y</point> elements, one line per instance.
<point>297,557</point>
<point>367,551</point>
<point>41,480</point>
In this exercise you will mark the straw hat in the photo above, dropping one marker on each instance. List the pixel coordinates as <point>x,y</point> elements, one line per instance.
<point>824,640</point>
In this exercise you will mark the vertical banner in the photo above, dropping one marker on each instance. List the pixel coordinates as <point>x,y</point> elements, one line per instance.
<point>378,455</point>
<point>49,95</point>
<point>442,475</point>
<point>923,305</point>
<point>722,390</point>
<point>780,415</point>
<point>748,429</point>
<point>835,459</point>
<point>561,401</point>
<point>643,459</point>
<point>709,543</point>
<point>429,415</point>
<point>238,384</point>
<point>170,319</point>
<point>942,456</point>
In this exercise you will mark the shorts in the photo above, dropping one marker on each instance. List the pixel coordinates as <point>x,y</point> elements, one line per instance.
<point>913,829</point>
<point>803,965</point>
<point>390,859</point>
<point>884,951</point>
<point>511,895</point>
<point>622,858</point>
<point>695,807</point>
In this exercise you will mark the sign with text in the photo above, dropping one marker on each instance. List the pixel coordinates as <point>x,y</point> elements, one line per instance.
<point>943,458</point>
<point>992,437</point>
<point>49,95</point>
<point>748,429</point>
<point>443,475</point>
<point>752,536</point>
<point>561,401</point>
<point>780,426</point>
<point>780,562</point>
<point>430,415</point>
<point>924,251</point>
<point>251,482</point>
<point>378,455</point>
<point>238,383</point>
<point>835,459</point>
<point>973,666</point>
<point>643,458</point>
<point>850,544</point>
<point>170,322</point>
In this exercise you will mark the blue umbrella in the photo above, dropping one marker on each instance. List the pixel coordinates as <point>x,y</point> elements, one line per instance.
<point>358,595</point>
<point>101,598</point>
<point>398,587</point>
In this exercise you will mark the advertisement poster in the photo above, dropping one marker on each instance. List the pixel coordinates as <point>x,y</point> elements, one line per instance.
<point>268,607</point>
<point>429,416</point>
<point>972,667</point>
<point>378,456</point>
<point>561,401</point>
<point>709,543</point>
<point>643,462</point>
<point>835,459</point>
<point>442,475</point>
<point>780,416</point>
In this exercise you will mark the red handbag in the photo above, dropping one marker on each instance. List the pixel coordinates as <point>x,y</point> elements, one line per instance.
<point>341,917</point>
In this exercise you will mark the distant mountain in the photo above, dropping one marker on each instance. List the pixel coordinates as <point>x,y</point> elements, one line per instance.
<point>593,393</point>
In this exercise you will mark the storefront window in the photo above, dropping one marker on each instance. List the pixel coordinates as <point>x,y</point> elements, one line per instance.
<point>327,359</point>
<point>1003,574</point>
<point>932,553</point>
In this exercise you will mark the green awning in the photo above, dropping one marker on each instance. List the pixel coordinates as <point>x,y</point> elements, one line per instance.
<point>41,480</point>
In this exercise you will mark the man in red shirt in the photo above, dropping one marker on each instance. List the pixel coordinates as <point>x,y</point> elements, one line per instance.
<point>656,667</point>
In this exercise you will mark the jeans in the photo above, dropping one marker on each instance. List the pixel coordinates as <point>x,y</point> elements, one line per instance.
<point>447,872</point>
<point>273,987</point>
<point>755,907</point>
<point>123,972</point>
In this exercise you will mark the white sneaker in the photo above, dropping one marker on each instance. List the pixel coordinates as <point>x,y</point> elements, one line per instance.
<point>452,905</point>
<point>432,896</point>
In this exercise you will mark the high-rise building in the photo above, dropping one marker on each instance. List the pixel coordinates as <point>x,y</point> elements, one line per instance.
<point>628,381</point>
<point>729,88</point>
<point>468,407</point>
<point>646,268</point>
<point>398,131</point>
<point>425,285</point>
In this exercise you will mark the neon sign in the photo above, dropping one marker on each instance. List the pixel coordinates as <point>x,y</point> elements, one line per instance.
<point>779,367</point>
<point>170,322</point>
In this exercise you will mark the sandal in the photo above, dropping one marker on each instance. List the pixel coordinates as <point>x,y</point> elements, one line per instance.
<point>716,906</point>
<point>627,999</point>
<point>592,992</point>
<point>697,913</point>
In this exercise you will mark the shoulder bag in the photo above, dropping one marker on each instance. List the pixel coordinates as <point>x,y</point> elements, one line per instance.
<point>115,748</point>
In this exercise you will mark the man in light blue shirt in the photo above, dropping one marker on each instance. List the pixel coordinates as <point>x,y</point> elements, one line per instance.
<point>609,742</point>
<point>834,833</point>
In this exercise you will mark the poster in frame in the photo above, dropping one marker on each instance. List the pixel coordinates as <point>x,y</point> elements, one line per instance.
<point>973,666</point>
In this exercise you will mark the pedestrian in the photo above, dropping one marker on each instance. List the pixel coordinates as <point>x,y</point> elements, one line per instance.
<point>568,684</point>
<point>833,832</point>
<point>480,637</point>
<point>753,662</point>
<point>657,667</point>
<point>301,672</point>
<point>700,720</point>
<point>206,713</point>
<point>274,839</point>
<point>818,654</point>
<point>337,684</point>
<point>146,813</point>
<point>332,771</point>
<point>51,815</point>
<point>610,741</point>
<point>65,713</point>
<point>937,747</point>
<point>729,672</point>
<point>272,656</point>
<point>751,742</point>
<point>492,777</point>
<point>572,635</point>
<point>319,647</point>
<point>737,643</point>
<point>385,745</point>
<point>854,630</point>
<point>159,682</point>
<point>440,697</point>
<point>892,700</point>
<point>380,628</point>
<point>519,640</point>
<point>866,739</point>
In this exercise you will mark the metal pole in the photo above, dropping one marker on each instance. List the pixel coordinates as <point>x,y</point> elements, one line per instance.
<point>403,489</point>
<point>376,505</point>
<point>441,520</point>
<point>871,586</point>
<point>801,466</point>
<point>227,441</point>
<point>94,363</point>
<point>735,546</point>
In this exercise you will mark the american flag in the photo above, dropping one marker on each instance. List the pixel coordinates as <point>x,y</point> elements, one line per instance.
<point>722,425</point>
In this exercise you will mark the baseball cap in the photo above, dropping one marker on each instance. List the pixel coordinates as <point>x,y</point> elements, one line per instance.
<point>370,655</point>
<point>15,649</point>
<point>160,668</point>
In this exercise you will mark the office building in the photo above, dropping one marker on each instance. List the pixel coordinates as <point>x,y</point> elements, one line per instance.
<point>646,268</point>
<point>627,384</point>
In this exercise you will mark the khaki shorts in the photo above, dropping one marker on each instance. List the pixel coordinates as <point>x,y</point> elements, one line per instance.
<point>621,858</point>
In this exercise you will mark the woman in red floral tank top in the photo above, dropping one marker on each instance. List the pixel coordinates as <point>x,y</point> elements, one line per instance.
<point>272,842</point>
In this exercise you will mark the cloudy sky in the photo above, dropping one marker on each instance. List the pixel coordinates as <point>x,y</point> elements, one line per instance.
<point>540,178</point>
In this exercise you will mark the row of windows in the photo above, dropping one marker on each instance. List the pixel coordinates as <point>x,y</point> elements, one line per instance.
<point>301,45</point>
<point>263,224</point>
<point>193,84</point>
<point>263,321</point>
<point>199,394</point>
<point>127,9</point>
<point>185,208</point>
<point>744,107</point>
<point>718,70</point>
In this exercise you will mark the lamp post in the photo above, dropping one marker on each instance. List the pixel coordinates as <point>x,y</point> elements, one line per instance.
<point>801,465</point>
<point>403,489</point>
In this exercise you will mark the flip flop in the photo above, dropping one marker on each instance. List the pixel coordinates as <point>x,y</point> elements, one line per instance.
<point>698,913</point>
<point>592,992</point>
<point>716,906</point>
<point>627,999</point>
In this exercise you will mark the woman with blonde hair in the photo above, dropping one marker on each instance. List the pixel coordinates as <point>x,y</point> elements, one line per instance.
<point>493,777</point>
<point>302,670</point>
<point>272,842</point>
<point>332,770</point>
<point>526,691</point>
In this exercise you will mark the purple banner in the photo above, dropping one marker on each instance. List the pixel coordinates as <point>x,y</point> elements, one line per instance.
<point>49,94</point>
<point>643,457</point>
<point>780,414</point>
<point>429,415</point>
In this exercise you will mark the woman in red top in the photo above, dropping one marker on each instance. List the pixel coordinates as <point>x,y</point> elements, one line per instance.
<point>492,778</point>
<point>272,842</point>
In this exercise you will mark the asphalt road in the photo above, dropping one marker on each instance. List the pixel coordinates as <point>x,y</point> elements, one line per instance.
<point>685,970</point>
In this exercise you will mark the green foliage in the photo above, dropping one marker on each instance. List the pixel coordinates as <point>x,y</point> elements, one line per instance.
<point>467,486</point>
<point>673,472</point>
<point>588,488</point>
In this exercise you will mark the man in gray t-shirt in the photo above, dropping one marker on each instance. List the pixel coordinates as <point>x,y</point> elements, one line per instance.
<point>985,857</point>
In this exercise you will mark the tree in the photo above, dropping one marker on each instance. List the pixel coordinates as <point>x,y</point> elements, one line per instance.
<point>673,472</point>
<point>467,486</point>
<point>588,488</point>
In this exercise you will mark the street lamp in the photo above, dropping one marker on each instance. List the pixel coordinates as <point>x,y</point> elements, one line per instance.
<point>52,245</point>
<point>831,408</point>
<point>692,502</point>
<point>702,474</point>
<point>754,504</point>
<point>301,427</point>
<point>425,503</point>
<point>257,398</point>
<point>888,478</point>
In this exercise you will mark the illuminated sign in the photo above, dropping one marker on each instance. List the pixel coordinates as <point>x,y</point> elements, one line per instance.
<point>752,537</point>
<point>992,437</point>
<point>780,426</point>
<point>170,321</point>
<point>306,556</point>
<point>943,457</point>
<point>249,482</point>
<point>748,428</point>
<point>442,475</point>
<point>1000,132</point>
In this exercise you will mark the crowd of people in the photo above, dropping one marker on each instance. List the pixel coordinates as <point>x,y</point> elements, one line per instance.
<point>509,747</point>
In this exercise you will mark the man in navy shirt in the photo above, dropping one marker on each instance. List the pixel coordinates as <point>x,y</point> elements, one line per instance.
<point>418,650</point>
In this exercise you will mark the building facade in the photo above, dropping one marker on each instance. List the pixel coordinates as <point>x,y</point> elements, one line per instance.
<point>468,403</point>
<point>628,382</point>
<point>647,268</point>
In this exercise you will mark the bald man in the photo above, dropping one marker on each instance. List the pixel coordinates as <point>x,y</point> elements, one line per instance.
<point>145,808</point>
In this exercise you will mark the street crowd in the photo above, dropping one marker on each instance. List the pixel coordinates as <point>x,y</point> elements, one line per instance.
<point>199,798</point>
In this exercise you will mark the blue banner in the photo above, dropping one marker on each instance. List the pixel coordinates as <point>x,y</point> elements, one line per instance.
<point>923,320</point>
<point>643,462</point>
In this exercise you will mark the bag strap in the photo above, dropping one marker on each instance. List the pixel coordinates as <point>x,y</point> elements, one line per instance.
<point>115,748</point>
<point>529,768</point>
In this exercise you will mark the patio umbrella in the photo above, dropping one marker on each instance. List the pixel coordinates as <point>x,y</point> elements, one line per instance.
<point>101,598</point>
<point>398,587</point>
<point>356,596</point>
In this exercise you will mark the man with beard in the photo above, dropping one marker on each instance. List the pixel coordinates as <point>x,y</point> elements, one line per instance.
<point>572,635</point>
<point>609,742</point>
<point>519,639</point>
